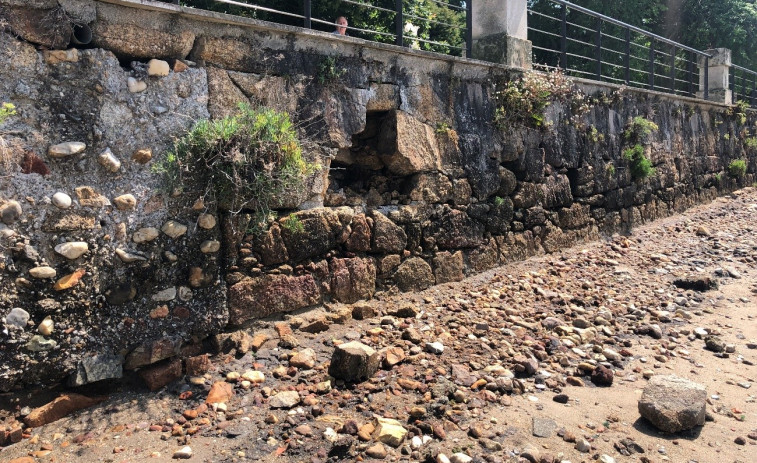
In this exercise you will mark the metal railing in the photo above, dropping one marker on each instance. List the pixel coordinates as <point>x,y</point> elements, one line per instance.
<point>430,25</point>
<point>743,84</point>
<point>587,44</point>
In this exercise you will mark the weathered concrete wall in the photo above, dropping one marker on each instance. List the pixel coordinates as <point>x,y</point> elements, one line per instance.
<point>418,188</point>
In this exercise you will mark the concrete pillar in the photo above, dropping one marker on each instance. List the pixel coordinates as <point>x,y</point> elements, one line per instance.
<point>718,68</point>
<point>499,32</point>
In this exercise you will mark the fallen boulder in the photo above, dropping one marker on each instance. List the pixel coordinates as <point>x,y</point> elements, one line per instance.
<point>673,404</point>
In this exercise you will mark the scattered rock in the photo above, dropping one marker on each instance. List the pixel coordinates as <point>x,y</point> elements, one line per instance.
<point>17,317</point>
<point>66,149</point>
<point>389,431</point>
<point>220,393</point>
<point>72,250</point>
<point>158,68</point>
<point>543,427</point>
<point>673,404</point>
<point>354,361</point>
<point>183,453</point>
<point>305,358</point>
<point>285,399</point>
<point>61,200</point>
<point>60,407</point>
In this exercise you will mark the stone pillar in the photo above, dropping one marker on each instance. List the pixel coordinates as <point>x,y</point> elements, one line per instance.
<point>499,32</point>
<point>717,68</point>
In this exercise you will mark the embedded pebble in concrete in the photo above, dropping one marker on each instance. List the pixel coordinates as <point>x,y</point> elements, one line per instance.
<point>61,200</point>
<point>158,68</point>
<point>10,212</point>
<point>173,229</point>
<point>42,272</point>
<point>136,86</point>
<point>109,161</point>
<point>46,327</point>
<point>210,246</point>
<point>66,149</point>
<point>145,235</point>
<point>125,202</point>
<point>17,317</point>
<point>206,221</point>
<point>72,250</point>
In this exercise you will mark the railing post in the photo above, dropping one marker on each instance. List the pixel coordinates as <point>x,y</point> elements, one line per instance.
<point>673,69</point>
<point>754,89</point>
<point>468,28</point>
<point>651,65</point>
<point>307,13</point>
<point>691,73</point>
<point>500,32</point>
<point>627,57</point>
<point>399,26</point>
<point>598,48</point>
<point>564,38</point>
<point>714,70</point>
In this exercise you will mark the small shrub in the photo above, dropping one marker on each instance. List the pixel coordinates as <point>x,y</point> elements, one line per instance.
<point>718,179</point>
<point>328,72</point>
<point>738,111</point>
<point>737,168</point>
<point>640,165</point>
<point>247,161</point>
<point>594,135</point>
<point>639,129</point>
<point>523,100</point>
<point>610,169</point>
<point>293,224</point>
<point>6,110</point>
<point>498,201</point>
<point>442,127</point>
<point>750,143</point>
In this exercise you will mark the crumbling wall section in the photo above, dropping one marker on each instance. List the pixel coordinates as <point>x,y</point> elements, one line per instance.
<point>418,185</point>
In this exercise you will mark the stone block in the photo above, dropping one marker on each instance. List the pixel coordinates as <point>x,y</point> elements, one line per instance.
<point>161,374</point>
<point>673,404</point>
<point>354,361</point>
<point>352,279</point>
<point>262,296</point>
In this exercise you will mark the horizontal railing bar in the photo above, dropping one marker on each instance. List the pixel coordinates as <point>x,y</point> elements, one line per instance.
<point>537,13</point>
<point>370,7</point>
<point>261,8</point>
<point>455,7</point>
<point>545,32</point>
<point>351,28</point>
<point>431,21</point>
<point>629,26</point>
<point>410,38</point>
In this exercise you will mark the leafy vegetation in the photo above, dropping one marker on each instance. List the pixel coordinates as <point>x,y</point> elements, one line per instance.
<point>293,224</point>
<point>523,100</point>
<point>329,71</point>
<point>636,134</point>
<point>6,110</point>
<point>737,168</point>
<point>247,161</point>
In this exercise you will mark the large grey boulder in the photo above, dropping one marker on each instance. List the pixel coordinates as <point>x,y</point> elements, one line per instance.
<point>673,404</point>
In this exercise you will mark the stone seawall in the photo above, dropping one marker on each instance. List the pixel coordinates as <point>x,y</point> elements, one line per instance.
<point>418,185</point>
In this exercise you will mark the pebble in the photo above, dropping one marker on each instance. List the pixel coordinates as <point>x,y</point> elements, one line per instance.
<point>286,399</point>
<point>460,457</point>
<point>183,453</point>
<point>210,246</point>
<point>61,200</point>
<point>435,348</point>
<point>109,161</point>
<point>46,327</point>
<point>206,221</point>
<point>66,149</point>
<point>144,235</point>
<point>135,86</point>
<point>583,446</point>
<point>17,317</point>
<point>173,229</point>
<point>72,250</point>
<point>10,212</point>
<point>42,273</point>
<point>125,202</point>
<point>157,68</point>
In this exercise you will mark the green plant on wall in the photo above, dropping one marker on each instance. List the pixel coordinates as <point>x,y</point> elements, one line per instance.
<point>328,71</point>
<point>293,224</point>
<point>737,168</point>
<point>738,111</point>
<point>750,143</point>
<point>524,99</point>
<point>247,161</point>
<point>6,110</point>
<point>636,134</point>
<point>610,169</point>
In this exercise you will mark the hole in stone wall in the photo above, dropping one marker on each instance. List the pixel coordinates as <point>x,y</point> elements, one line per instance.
<point>358,176</point>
